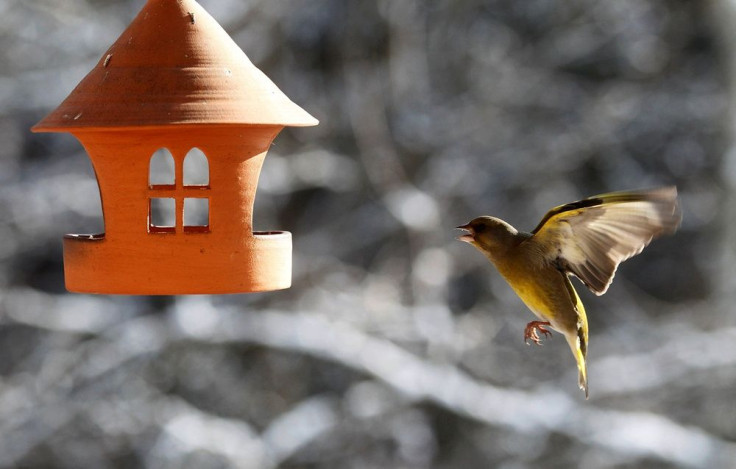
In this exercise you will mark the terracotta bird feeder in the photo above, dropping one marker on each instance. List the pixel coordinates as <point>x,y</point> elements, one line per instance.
<point>175,92</point>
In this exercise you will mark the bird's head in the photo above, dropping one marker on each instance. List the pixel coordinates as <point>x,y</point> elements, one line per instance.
<point>489,234</point>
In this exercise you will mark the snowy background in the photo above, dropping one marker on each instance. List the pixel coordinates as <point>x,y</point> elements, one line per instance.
<point>397,346</point>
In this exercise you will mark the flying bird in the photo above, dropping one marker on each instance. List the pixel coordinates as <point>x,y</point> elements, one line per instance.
<point>587,239</point>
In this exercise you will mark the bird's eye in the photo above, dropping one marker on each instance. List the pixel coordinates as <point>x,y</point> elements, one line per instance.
<point>479,228</point>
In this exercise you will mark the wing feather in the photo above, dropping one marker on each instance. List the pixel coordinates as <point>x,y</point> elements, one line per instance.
<point>591,237</point>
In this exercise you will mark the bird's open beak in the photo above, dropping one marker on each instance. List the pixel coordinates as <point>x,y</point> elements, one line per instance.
<point>468,236</point>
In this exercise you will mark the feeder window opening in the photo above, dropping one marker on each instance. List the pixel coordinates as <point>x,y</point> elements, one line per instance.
<point>196,168</point>
<point>161,171</point>
<point>161,215</point>
<point>196,214</point>
<point>178,192</point>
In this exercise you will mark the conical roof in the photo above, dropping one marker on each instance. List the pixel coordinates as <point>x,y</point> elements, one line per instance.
<point>174,64</point>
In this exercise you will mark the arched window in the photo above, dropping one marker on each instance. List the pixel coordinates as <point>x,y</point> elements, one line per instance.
<point>196,168</point>
<point>161,180</point>
<point>176,202</point>
<point>161,170</point>
<point>196,182</point>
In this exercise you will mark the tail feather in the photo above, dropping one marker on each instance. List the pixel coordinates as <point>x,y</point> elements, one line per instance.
<point>581,349</point>
<point>580,354</point>
<point>578,339</point>
<point>578,345</point>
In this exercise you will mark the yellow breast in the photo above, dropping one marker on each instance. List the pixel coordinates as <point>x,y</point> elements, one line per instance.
<point>541,288</point>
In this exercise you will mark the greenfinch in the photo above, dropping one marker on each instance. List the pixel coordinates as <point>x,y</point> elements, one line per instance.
<point>587,239</point>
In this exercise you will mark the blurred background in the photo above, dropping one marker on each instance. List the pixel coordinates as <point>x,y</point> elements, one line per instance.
<point>397,346</point>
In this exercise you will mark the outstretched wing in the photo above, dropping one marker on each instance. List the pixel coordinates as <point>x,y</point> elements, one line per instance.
<point>591,237</point>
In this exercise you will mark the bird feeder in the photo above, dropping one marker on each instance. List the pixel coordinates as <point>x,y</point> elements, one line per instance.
<point>175,87</point>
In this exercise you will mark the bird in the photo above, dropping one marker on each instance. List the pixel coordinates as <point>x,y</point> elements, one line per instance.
<point>586,239</point>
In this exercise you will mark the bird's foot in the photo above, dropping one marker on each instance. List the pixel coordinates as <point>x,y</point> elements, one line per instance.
<point>530,332</point>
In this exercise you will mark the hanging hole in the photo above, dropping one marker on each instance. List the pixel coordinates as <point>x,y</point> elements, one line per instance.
<point>161,215</point>
<point>161,169</point>
<point>196,214</point>
<point>196,168</point>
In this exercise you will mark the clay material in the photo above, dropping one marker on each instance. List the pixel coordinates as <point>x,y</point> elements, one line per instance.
<point>174,79</point>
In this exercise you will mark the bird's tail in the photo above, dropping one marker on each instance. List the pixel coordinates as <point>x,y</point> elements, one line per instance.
<point>579,346</point>
<point>578,339</point>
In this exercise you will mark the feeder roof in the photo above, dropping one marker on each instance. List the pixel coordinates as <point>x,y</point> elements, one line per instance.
<point>174,64</point>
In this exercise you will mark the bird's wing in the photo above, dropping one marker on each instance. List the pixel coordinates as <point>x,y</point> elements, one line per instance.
<point>591,237</point>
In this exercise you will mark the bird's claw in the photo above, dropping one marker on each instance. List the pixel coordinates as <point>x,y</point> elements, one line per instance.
<point>530,332</point>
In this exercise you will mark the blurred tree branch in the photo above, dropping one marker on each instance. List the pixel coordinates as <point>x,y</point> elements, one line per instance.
<point>137,341</point>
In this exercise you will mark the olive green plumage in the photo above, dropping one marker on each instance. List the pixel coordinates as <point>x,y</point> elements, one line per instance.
<point>587,239</point>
